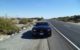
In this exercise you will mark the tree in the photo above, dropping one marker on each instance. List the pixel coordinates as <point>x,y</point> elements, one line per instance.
<point>76,18</point>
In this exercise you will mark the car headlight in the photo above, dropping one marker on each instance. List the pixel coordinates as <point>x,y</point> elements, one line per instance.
<point>49,29</point>
<point>34,30</point>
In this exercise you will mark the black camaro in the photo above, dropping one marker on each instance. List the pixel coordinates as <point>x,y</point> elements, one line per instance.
<point>41,29</point>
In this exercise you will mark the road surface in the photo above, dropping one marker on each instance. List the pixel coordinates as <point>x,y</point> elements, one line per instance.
<point>25,41</point>
<point>57,42</point>
<point>72,32</point>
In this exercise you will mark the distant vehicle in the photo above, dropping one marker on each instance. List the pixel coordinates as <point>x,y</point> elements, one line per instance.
<point>41,29</point>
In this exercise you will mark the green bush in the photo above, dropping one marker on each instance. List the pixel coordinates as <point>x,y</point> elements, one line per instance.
<point>25,21</point>
<point>7,27</point>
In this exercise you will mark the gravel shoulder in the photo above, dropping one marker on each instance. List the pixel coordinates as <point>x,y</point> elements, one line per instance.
<point>18,43</point>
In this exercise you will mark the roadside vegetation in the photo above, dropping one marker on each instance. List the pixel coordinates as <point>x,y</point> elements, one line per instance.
<point>75,18</point>
<point>9,26</point>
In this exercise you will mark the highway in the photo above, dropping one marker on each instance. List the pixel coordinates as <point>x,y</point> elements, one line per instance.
<point>56,41</point>
<point>72,32</point>
<point>25,41</point>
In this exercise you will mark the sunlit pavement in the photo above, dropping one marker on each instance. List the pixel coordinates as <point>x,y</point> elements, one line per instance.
<point>70,31</point>
<point>19,43</point>
<point>25,41</point>
<point>57,42</point>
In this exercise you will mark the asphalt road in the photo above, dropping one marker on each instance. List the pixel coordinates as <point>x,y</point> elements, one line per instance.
<point>25,41</point>
<point>72,32</point>
<point>57,42</point>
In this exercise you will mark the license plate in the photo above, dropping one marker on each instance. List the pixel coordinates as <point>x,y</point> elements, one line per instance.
<point>41,33</point>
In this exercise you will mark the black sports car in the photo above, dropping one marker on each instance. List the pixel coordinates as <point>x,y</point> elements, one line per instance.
<point>41,29</point>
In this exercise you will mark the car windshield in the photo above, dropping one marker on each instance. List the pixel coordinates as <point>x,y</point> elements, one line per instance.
<point>42,24</point>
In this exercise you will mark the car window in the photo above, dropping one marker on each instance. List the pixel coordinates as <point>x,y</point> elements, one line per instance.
<point>42,23</point>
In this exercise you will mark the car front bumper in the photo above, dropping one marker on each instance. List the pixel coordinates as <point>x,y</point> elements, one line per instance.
<point>41,34</point>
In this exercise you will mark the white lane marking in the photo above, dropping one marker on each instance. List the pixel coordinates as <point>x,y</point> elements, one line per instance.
<point>66,38</point>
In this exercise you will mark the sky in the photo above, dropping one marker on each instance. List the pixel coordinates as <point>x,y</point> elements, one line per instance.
<point>39,8</point>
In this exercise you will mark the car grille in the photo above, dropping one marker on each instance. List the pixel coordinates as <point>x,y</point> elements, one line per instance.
<point>41,31</point>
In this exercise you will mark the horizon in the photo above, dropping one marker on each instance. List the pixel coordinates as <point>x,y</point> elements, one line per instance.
<point>32,17</point>
<point>39,8</point>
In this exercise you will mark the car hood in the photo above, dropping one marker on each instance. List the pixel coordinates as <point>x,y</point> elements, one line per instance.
<point>41,27</point>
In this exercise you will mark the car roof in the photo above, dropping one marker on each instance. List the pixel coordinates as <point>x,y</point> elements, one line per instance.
<point>41,22</point>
